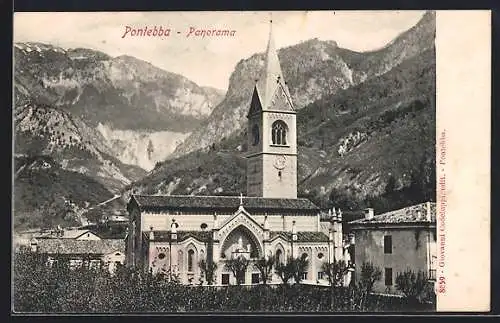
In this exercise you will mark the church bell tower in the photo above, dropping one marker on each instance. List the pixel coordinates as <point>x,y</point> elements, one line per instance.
<point>272,135</point>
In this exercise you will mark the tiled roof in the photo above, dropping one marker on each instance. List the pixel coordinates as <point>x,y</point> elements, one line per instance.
<point>70,246</point>
<point>181,235</point>
<point>221,202</point>
<point>302,236</point>
<point>67,234</point>
<point>411,214</point>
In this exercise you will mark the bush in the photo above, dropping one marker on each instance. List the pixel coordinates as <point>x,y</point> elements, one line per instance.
<point>415,286</point>
<point>42,289</point>
<point>369,275</point>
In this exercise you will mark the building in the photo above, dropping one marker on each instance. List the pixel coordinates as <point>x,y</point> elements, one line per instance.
<point>116,219</point>
<point>90,253</point>
<point>73,234</point>
<point>396,241</point>
<point>172,234</point>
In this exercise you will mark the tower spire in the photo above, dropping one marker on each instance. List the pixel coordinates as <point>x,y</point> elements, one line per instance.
<point>272,76</point>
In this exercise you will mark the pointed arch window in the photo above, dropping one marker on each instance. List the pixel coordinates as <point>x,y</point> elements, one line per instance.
<point>180,262</point>
<point>278,256</point>
<point>279,132</point>
<point>190,259</point>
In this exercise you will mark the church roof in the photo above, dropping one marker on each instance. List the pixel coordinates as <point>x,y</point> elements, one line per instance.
<point>177,202</point>
<point>302,236</point>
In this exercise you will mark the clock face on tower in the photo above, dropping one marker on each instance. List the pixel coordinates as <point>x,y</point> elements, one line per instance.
<point>279,162</point>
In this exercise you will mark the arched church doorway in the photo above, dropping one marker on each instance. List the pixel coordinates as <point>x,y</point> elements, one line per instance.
<point>241,242</point>
<point>239,250</point>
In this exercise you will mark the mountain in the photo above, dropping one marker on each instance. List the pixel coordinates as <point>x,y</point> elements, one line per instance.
<point>115,95</point>
<point>367,139</point>
<point>99,122</point>
<point>62,166</point>
<point>46,194</point>
<point>44,130</point>
<point>313,69</point>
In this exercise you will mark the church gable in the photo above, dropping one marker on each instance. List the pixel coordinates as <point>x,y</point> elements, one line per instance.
<point>281,99</point>
<point>255,103</point>
<point>240,218</point>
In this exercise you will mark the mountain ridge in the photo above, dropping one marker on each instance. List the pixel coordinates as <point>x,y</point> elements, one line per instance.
<point>312,69</point>
<point>358,113</point>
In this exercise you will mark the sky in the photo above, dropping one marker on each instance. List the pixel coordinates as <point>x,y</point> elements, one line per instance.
<point>209,61</point>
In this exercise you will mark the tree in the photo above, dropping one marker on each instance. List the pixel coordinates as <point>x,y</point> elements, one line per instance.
<point>391,184</point>
<point>150,148</point>
<point>238,267</point>
<point>265,267</point>
<point>321,134</point>
<point>294,268</point>
<point>299,268</point>
<point>284,271</point>
<point>208,269</point>
<point>412,285</point>
<point>335,272</point>
<point>426,173</point>
<point>369,275</point>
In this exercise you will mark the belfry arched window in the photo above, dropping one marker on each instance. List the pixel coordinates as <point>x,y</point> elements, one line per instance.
<point>279,130</point>
<point>255,135</point>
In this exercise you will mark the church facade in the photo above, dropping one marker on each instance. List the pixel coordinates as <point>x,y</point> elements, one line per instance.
<point>172,234</point>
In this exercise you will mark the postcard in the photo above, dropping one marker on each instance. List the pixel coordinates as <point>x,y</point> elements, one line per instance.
<point>251,162</point>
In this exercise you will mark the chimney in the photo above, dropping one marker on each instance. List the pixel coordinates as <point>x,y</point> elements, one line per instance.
<point>369,213</point>
<point>334,215</point>
<point>339,215</point>
<point>151,234</point>
<point>173,230</point>
<point>284,223</point>
<point>266,224</point>
<point>428,211</point>
<point>294,231</point>
<point>216,223</point>
<point>34,245</point>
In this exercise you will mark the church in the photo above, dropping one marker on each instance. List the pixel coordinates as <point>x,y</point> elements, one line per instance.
<point>173,233</point>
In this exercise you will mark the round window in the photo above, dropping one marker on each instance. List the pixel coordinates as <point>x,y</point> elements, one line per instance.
<point>320,255</point>
<point>161,256</point>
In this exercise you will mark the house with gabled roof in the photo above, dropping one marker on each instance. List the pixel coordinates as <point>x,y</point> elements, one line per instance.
<point>90,253</point>
<point>396,241</point>
<point>75,234</point>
